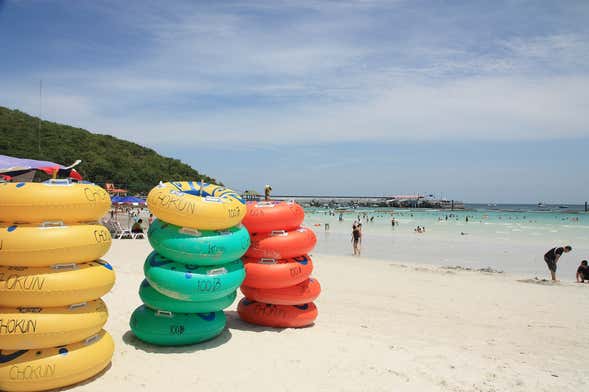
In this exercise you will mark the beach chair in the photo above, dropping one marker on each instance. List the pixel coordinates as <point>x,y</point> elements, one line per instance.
<point>120,232</point>
<point>138,236</point>
<point>109,225</point>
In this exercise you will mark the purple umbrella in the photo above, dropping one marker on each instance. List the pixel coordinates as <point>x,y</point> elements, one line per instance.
<point>11,166</point>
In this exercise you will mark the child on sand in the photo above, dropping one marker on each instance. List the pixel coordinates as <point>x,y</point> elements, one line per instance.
<point>583,272</point>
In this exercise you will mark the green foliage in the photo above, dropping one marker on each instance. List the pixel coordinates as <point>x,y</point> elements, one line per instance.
<point>104,158</point>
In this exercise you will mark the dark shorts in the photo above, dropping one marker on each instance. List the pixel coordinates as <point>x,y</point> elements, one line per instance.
<point>551,264</point>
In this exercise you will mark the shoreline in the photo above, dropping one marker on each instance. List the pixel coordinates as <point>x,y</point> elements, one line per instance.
<point>459,269</point>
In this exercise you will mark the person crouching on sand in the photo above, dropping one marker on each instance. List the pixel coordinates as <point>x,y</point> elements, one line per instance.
<point>552,256</point>
<point>583,272</point>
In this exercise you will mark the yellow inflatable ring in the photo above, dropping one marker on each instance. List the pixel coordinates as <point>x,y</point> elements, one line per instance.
<point>60,285</point>
<point>196,205</point>
<point>53,200</point>
<point>52,243</point>
<point>30,328</point>
<point>39,370</point>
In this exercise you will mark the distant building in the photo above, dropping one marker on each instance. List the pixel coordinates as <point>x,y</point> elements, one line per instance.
<point>249,195</point>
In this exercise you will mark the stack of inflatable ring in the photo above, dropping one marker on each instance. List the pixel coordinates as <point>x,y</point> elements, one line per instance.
<point>195,268</point>
<point>278,289</point>
<point>51,281</point>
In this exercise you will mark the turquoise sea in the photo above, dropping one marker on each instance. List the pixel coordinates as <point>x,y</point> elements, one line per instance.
<point>511,238</point>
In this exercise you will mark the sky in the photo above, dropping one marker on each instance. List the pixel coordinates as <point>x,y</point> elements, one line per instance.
<point>481,101</point>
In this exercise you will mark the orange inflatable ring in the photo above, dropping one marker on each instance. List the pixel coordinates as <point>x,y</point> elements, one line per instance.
<point>273,274</point>
<point>281,244</point>
<point>280,316</point>
<point>301,293</point>
<point>266,216</point>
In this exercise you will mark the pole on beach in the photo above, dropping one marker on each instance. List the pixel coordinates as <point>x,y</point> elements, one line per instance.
<point>586,207</point>
<point>452,205</point>
<point>40,114</point>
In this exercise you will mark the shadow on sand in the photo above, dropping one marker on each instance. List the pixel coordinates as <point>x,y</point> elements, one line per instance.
<point>85,382</point>
<point>558,283</point>
<point>130,339</point>
<point>234,322</point>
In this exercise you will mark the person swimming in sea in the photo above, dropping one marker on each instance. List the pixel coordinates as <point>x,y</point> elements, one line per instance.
<point>552,256</point>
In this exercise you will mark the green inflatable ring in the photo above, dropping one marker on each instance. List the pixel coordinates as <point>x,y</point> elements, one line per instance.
<point>174,329</point>
<point>192,283</point>
<point>155,300</point>
<point>191,246</point>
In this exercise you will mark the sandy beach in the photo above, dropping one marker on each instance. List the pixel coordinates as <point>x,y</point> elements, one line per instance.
<point>446,139</point>
<point>382,326</point>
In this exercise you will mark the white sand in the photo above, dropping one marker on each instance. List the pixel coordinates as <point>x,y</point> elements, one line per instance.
<point>382,326</point>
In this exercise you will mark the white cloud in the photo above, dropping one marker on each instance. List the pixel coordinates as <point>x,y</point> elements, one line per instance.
<point>557,49</point>
<point>322,76</point>
<point>472,109</point>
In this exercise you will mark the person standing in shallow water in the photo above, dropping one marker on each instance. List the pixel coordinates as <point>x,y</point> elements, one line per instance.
<point>357,238</point>
<point>552,256</point>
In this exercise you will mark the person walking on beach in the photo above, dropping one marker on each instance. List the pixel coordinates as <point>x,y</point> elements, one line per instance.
<point>357,238</point>
<point>267,190</point>
<point>552,256</point>
<point>583,272</point>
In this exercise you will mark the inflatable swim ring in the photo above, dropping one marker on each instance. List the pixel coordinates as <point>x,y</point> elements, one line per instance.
<point>172,329</point>
<point>49,243</point>
<point>192,283</point>
<point>154,300</point>
<point>32,328</point>
<point>196,205</point>
<point>282,244</point>
<point>43,369</point>
<point>272,274</point>
<point>191,246</point>
<point>59,285</point>
<point>280,316</point>
<point>266,216</point>
<point>53,200</point>
<point>301,293</point>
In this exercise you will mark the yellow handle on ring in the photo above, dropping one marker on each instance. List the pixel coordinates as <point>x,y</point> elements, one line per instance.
<point>196,205</point>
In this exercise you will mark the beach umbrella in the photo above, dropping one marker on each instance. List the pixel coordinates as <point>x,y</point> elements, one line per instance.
<point>136,201</point>
<point>12,167</point>
<point>116,199</point>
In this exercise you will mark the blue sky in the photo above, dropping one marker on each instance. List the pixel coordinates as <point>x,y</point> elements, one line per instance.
<point>475,100</point>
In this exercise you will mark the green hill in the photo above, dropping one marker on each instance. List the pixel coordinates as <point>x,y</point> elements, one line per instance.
<point>104,158</point>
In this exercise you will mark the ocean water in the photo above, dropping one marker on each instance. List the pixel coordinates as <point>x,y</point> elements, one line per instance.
<point>511,238</point>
